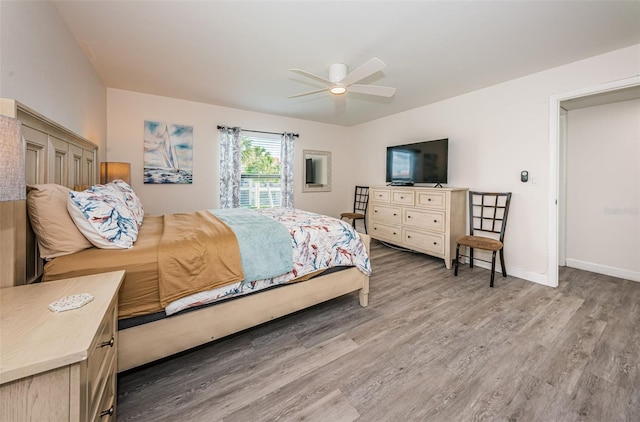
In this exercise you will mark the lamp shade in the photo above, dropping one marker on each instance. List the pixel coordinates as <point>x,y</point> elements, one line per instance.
<point>110,171</point>
<point>12,178</point>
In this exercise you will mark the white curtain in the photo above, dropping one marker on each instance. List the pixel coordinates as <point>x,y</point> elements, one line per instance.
<point>230,167</point>
<point>286,170</point>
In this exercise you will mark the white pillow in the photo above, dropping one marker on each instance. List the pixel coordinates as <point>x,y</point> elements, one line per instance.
<point>103,217</point>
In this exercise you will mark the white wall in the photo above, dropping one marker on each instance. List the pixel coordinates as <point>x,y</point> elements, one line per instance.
<point>43,67</point>
<point>603,188</point>
<point>494,133</point>
<point>127,111</point>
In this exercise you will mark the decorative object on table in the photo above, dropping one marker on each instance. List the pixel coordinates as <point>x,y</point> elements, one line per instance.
<point>168,153</point>
<point>111,170</point>
<point>68,303</point>
<point>12,183</point>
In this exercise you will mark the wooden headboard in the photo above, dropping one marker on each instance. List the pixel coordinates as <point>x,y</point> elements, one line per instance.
<point>53,154</point>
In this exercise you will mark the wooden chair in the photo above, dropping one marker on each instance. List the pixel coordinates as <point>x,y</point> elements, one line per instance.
<point>360,203</point>
<point>487,214</point>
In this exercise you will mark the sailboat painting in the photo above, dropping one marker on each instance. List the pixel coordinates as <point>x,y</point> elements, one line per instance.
<point>168,153</point>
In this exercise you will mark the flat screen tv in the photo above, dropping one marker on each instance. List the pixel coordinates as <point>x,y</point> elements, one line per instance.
<point>420,162</point>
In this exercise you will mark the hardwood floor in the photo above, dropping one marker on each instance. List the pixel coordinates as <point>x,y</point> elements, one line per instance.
<point>430,347</point>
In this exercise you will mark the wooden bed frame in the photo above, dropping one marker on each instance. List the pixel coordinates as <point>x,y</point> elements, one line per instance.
<point>155,340</point>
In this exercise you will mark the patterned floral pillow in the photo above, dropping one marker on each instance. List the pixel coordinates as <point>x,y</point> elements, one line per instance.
<point>130,198</point>
<point>103,217</point>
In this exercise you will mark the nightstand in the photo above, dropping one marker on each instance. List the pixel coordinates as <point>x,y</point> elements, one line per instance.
<point>59,366</point>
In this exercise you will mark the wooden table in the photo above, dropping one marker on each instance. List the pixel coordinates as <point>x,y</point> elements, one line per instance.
<point>59,366</point>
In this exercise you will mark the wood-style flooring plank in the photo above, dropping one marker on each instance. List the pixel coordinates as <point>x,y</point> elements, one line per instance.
<point>429,347</point>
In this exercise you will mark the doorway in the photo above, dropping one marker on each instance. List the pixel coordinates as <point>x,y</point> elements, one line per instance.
<point>601,94</point>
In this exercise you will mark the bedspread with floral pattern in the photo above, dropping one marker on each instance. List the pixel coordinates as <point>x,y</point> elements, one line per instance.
<point>319,242</point>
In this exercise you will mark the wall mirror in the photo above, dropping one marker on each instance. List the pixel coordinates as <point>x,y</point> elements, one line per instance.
<point>316,171</point>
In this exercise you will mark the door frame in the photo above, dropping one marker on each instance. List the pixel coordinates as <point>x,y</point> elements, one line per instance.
<point>556,160</point>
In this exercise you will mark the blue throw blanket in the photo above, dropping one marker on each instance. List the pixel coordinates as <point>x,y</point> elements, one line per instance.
<point>265,244</point>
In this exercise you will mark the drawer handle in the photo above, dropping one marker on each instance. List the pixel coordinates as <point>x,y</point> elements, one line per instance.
<point>394,214</point>
<point>435,243</point>
<point>375,210</point>
<point>435,221</point>
<point>428,199</point>
<point>408,237</point>
<point>107,412</point>
<point>408,216</point>
<point>109,343</point>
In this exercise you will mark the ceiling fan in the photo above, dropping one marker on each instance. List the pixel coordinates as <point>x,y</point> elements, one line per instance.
<point>340,82</point>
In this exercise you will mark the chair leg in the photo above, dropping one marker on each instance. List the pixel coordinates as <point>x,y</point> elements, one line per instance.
<point>455,271</point>
<point>353,223</point>
<point>470,257</point>
<point>493,268</point>
<point>364,220</point>
<point>504,268</point>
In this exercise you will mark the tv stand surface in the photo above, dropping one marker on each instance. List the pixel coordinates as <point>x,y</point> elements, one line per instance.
<point>423,219</point>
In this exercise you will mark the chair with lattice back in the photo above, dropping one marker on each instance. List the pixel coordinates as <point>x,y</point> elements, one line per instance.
<point>360,203</point>
<point>488,213</point>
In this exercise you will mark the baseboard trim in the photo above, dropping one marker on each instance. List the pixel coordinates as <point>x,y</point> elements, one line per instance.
<point>603,269</point>
<point>515,272</point>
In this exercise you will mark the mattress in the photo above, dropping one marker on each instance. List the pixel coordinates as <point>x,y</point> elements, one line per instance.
<point>318,243</point>
<point>139,294</point>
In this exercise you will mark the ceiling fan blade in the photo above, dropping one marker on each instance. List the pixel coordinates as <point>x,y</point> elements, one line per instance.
<point>367,69</point>
<point>311,75</point>
<point>382,91</point>
<point>308,93</point>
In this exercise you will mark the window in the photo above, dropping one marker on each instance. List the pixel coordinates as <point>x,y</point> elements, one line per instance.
<point>260,173</point>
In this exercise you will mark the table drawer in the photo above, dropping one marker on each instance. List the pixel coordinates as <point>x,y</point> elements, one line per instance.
<point>380,195</point>
<point>432,199</point>
<point>432,243</point>
<point>402,197</point>
<point>386,213</point>
<point>430,220</point>
<point>106,408</point>
<point>101,356</point>
<point>390,233</point>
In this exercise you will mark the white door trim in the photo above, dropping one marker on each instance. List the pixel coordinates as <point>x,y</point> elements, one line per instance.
<point>554,163</point>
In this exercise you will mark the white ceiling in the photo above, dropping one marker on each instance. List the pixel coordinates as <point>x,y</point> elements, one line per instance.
<point>236,53</point>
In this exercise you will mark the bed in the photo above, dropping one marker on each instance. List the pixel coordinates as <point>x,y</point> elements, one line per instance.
<point>188,328</point>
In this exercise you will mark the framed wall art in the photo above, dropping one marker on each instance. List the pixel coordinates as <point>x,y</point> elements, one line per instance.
<point>168,153</point>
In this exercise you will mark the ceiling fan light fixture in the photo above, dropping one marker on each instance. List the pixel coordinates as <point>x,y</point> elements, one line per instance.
<point>338,90</point>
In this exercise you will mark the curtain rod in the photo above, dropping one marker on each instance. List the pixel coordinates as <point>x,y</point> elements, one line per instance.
<point>295,135</point>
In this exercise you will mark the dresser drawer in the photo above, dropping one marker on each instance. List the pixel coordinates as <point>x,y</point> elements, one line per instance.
<point>430,220</point>
<point>432,199</point>
<point>380,195</point>
<point>385,232</point>
<point>431,243</point>
<point>386,213</point>
<point>402,197</point>
<point>99,361</point>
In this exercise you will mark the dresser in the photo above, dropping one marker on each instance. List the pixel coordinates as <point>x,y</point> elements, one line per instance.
<point>422,219</point>
<point>59,366</point>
